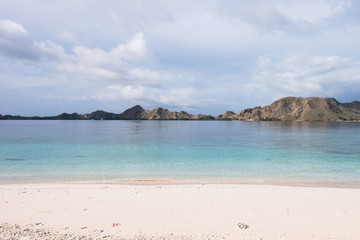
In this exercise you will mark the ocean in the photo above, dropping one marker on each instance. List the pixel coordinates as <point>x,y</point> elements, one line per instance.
<point>215,151</point>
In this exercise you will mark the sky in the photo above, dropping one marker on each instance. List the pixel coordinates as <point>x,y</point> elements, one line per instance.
<point>202,56</point>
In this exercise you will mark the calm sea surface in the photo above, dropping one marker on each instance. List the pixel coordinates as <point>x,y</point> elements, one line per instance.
<point>32,151</point>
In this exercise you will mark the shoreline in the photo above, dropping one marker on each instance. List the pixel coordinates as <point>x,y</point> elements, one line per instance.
<point>205,181</point>
<point>182,211</point>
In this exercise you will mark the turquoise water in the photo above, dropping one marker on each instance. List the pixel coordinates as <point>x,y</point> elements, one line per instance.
<point>119,150</point>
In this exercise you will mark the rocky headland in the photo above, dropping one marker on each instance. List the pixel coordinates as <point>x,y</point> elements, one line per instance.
<point>284,109</point>
<point>299,109</point>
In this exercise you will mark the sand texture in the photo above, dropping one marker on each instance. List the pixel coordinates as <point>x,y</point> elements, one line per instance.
<point>210,211</point>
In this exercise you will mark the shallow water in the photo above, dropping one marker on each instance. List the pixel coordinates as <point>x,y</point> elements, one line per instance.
<point>217,150</point>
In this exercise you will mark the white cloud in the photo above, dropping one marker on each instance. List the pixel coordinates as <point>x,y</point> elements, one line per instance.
<point>183,97</point>
<point>145,95</point>
<point>200,29</point>
<point>68,37</point>
<point>115,93</point>
<point>314,11</point>
<point>111,75</point>
<point>116,64</point>
<point>142,52</point>
<point>14,41</point>
<point>305,75</point>
<point>135,49</point>
<point>282,15</point>
<point>151,76</point>
<point>12,28</point>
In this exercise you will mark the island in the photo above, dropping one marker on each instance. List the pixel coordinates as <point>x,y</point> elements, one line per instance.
<point>284,109</point>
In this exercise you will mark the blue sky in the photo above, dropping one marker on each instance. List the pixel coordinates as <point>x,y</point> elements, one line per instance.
<point>204,56</point>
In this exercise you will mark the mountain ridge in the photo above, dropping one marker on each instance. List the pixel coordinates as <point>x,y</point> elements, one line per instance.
<point>301,109</point>
<point>283,109</point>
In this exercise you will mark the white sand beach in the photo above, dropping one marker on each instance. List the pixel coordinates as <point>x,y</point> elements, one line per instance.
<point>193,211</point>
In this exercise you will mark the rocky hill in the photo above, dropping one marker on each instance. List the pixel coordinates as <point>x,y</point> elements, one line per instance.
<point>354,105</point>
<point>138,113</point>
<point>284,109</point>
<point>300,109</point>
<point>133,113</point>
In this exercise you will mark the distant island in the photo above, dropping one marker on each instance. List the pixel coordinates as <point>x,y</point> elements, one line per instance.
<point>284,109</point>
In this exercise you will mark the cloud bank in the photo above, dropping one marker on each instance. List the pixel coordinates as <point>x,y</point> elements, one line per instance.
<point>204,56</point>
<point>117,70</point>
<point>305,75</point>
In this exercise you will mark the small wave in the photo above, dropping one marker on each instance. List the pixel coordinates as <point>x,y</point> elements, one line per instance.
<point>340,152</point>
<point>14,159</point>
